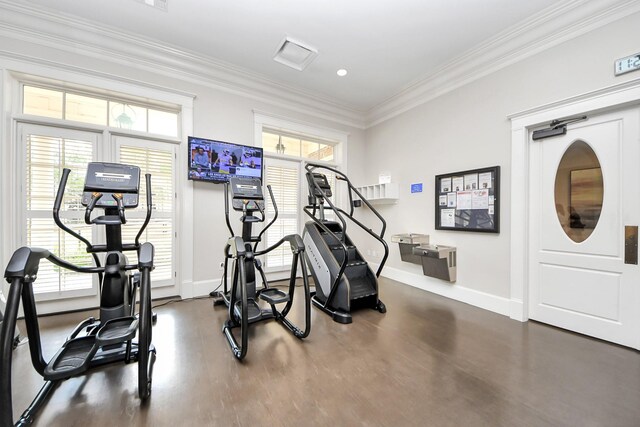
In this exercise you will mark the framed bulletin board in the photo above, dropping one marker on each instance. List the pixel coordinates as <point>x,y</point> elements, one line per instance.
<point>469,200</point>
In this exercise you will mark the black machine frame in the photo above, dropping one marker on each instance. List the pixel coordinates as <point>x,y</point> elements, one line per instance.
<point>316,203</point>
<point>110,340</point>
<point>244,258</point>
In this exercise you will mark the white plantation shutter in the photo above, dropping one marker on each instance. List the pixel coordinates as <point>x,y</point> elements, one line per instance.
<point>46,156</point>
<point>160,231</point>
<point>284,178</point>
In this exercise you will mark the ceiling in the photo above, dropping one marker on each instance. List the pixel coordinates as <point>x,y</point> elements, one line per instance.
<point>386,46</point>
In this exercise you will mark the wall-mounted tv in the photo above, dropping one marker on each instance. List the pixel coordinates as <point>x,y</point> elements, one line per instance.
<point>217,161</point>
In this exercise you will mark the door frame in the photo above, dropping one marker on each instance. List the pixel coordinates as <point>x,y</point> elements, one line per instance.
<point>622,95</point>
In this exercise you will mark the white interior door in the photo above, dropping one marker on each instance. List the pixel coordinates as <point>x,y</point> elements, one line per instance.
<point>585,188</point>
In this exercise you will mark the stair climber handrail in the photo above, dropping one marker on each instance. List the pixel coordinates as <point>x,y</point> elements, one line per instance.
<point>375,236</point>
<point>310,167</point>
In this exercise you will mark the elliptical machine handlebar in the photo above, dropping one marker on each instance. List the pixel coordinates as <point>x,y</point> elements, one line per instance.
<point>275,217</point>
<point>56,218</point>
<point>147,179</point>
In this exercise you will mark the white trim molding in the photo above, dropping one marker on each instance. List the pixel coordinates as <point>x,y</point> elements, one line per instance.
<point>522,124</point>
<point>22,23</point>
<point>33,24</point>
<point>494,303</point>
<point>562,22</point>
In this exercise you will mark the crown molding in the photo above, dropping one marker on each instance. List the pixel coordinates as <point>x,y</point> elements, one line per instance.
<point>26,23</point>
<point>552,26</point>
<point>555,25</point>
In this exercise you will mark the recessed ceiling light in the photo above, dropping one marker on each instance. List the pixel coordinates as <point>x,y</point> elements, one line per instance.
<point>342,72</point>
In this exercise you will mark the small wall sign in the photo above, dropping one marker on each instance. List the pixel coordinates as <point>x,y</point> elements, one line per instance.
<point>416,188</point>
<point>628,64</point>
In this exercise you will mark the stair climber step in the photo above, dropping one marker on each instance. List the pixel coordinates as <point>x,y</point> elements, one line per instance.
<point>117,331</point>
<point>361,287</point>
<point>72,359</point>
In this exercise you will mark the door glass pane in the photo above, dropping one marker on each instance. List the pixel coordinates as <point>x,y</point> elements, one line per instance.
<point>160,231</point>
<point>46,156</point>
<point>284,178</point>
<point>579,191</point>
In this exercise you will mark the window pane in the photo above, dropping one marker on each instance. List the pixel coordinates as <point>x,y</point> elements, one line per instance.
<point>46,157</point>
<point>325,153</point>
<point>86,109</point>
<point>163,123</point>
<point>284,181</point>
<point>270,142</point>
<point>126,116</point>
<point>290,146</point>
<point>44,233</point>
<point>42,102</point>
<point>579,191</point>
<point>309,149</point>
<point>159,163</point>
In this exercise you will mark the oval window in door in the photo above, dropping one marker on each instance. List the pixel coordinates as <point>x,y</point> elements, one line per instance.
<point>579,191</point>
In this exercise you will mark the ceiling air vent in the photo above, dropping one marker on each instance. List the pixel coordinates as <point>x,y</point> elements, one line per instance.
<point>158,4</point>
<point>295,54</point>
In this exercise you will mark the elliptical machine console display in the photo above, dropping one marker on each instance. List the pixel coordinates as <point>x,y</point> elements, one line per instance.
<point>94,342</point>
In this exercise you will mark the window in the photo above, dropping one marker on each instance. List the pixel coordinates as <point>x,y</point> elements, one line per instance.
<point>48,102</point>
<point>47,152</point>
<point>285,154</point>
<point>160,231</point>
<point>279,142</point>
<point>284,179</point>
<point>50,146</point>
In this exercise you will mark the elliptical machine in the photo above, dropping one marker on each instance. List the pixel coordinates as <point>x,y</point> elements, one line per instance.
<point>94,342</point>
<point>242,298</point>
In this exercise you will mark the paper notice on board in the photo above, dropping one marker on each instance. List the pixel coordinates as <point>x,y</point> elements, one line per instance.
<point>490,210</point>
<point>480,199</point>
<point>443,200</point>
<point>445,185</point>
<point>458,183</point>
<point>464,200</point>
<point>491,200</point>
<point>471,182</point>
<point>484,180</point>
<point>448,218</point>
<point>451,200</point>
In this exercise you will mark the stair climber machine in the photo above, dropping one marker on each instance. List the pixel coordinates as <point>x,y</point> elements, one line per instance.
<point>242,299</point>
<point>94,342</point>
<point>344,280</point>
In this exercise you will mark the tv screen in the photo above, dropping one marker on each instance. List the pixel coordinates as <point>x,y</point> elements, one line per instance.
<point>217,161</point>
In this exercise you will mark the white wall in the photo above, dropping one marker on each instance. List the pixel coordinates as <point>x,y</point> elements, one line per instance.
<point>468,128</point>
<point>219,112</point>
<point>463,129</point>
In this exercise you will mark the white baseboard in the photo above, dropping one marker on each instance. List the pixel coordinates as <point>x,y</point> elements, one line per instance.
<point>456,292</point>
<point>517,311</point>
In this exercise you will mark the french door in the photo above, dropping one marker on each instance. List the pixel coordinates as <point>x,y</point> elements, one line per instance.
<point>46,151</point>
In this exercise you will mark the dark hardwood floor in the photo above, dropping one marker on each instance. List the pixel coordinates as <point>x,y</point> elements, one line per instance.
<point>428,361</point>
